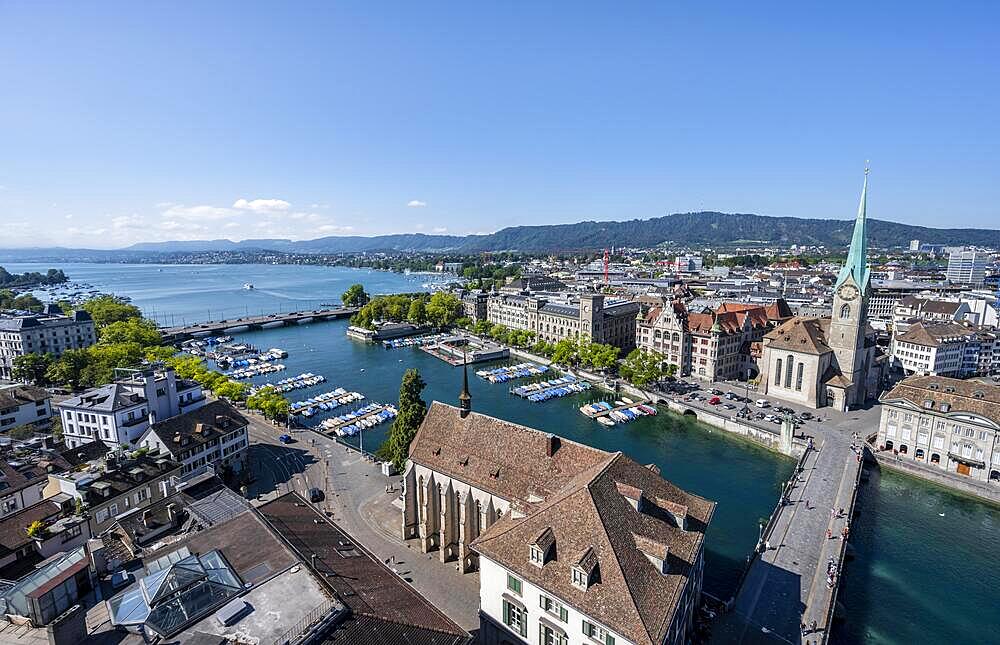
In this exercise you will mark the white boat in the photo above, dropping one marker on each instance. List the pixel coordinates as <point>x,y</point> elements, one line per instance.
<point>248,285</point>
<point>605,421</point>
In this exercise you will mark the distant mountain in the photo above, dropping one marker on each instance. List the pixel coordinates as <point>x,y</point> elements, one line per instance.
<point>703,228</point>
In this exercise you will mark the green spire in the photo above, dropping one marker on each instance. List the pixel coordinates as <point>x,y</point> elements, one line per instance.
<point>857,258</point>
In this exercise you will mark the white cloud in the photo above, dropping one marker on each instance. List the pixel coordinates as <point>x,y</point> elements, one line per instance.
<point>69,216</point>
<point>327,229</point>
<point>416,203</point>
<point>123,222</point>
<point>262,205</point>
<point>201,212</point>
<point>440,229</point>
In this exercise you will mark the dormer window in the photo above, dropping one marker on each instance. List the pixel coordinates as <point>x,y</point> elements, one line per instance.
<point>944,407</point>
<point>541,550</point>
<point>580,578</point>
<point>536,556</point>
<point>929,404</point>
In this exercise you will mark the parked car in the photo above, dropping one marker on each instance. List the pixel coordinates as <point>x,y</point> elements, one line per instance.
<point>729,406</point>
<point>315,495</point>
<point>716,391</point>
<point>714,400</point>
<point>730,395</point>
<point>285,438</point>
<point>762,403</point>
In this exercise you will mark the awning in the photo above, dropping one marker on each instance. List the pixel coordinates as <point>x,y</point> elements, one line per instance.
<point>979,463</point>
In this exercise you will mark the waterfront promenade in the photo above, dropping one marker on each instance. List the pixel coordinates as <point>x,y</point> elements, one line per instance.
<point>786,585</point>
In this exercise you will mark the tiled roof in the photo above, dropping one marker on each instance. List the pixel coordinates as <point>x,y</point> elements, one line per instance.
<point>205,424</point>
<point>934,334</point>
<point>503,458</point>
<point>595,527</point>
<point>21,394</point>
<point>13,528</point>
<point>961,395</point>
<point>807,335</point>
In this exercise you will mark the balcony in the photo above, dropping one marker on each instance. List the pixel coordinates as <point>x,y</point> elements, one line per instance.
<point>184,404</point>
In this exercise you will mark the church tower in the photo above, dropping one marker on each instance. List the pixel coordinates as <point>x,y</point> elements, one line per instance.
<point>850,307</point>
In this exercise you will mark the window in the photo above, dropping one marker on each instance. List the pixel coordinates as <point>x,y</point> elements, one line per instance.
<point>777,372</point>
<point>845,311</point>
<point>598,633</point>
<point>553,607</point>
<point>514,584</point>
<point>788,371</point>
<point>515,617</point>
<point>550,636</point>
<point>536,556</point>
<point>798,377</point>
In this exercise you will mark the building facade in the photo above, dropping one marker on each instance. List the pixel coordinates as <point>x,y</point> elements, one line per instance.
<point>946,349</point>
<point>214,435</point>
<point>562,534</point>
<point>711,346</point>
<point>944,423</point>
<point>967,267</point>
<point>588,317</point>
<point>50,332</point>
<point>24,405</point>
<point>121,412</point>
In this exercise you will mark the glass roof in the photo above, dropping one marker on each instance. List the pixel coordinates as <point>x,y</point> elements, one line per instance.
<point>14,600</point>
<point>177,595</point>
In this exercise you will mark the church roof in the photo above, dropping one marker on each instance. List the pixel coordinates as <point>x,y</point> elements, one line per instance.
<point>806,335</point>
<point>856,266</point>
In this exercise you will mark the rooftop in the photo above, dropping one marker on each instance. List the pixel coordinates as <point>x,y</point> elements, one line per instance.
<point>199,426</point>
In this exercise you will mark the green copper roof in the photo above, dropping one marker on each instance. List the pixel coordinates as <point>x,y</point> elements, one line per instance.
<point>857,258</point>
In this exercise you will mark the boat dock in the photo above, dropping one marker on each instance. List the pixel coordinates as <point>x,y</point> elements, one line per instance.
<point>216,327</point>
<point>512,372</point>
<point>455,350</point>
<point>348,425</point>
<point>611,413</point>
<point>554,389</point>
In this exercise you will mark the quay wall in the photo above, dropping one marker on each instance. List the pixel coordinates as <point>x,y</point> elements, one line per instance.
<point>982,491</point>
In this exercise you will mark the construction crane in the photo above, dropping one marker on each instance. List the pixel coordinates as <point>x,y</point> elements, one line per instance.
<point>606,259</point>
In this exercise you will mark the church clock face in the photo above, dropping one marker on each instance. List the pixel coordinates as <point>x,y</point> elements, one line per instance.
<point>849,292</point>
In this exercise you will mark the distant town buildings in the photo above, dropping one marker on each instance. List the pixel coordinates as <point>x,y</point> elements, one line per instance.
<point>553,318</point>
<point>945,423</point>
<point>49,332</point>
<point>914,245</point>
<point>572,544</point>
<point>967,267</point>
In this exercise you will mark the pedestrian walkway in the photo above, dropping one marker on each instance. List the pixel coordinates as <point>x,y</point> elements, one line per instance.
<point>788,594</point>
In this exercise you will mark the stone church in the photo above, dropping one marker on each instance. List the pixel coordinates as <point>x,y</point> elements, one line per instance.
<point>820,362</point>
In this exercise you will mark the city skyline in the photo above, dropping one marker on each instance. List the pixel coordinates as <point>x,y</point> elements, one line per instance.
<point>150,124</point>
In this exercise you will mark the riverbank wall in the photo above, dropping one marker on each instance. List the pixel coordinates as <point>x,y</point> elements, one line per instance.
<point>976,489</point>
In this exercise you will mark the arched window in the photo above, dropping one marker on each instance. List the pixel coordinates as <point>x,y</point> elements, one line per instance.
<point>777,372</point>
<point>845,311</point>
<point>788,370</point>
<point>798,377</point>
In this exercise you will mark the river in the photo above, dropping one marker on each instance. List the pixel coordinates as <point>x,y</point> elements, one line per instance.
<point>918,576</point>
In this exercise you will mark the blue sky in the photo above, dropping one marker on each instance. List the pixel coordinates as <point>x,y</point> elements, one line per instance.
<point>122,122</point>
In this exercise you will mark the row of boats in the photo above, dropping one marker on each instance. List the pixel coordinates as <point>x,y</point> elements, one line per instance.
<point>258,369</point>
<point>369,416</point>
<point>300,382</point>
<point>248,360</point>
<point>552,389</point>
<point>511,372</point>
<point>325,402</point>
<point>412,341</point>
<point>609,415</point>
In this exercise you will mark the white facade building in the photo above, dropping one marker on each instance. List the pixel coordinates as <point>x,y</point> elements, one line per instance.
<point>22,405</point>
<point>967,267</point>
<point>215,435</point>
<point>49,332</point>
<point>121,412</point>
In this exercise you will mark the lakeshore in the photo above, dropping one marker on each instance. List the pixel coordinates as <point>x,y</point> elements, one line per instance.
<point>898,576</point>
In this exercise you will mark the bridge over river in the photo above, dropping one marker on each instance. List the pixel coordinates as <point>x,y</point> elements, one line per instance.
<point>218,327</point>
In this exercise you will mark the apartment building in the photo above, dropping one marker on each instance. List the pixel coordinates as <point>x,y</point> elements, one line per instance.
<point>944,423</point>
<point>121,412</point>
<point>553,318</point>
<point>946,349</point>
<point>214,436</point>
<point>24,405</point>
<point>49,332</point>
<point>967,267</point>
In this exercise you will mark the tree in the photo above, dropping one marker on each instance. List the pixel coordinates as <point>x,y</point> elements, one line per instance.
<point>481,328</point>
<point>105,310</point>
<point>134,330</point>
<point>598,355</point>
<point>22,432</point>
<point>417,313</point>
<point>31,368</point>
<point>67,369</point>
<point>642,368</point>
<point>565,352</point>
<point>232,390</point>
<point>444,309</point>
<point>498,331</point>
<point>355,296</point>
<point>412,409</point>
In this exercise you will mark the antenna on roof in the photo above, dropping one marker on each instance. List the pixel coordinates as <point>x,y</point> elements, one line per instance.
<point>464,398</point>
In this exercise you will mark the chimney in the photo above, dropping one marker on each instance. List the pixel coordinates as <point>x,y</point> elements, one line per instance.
<point>177,438</point>
<point>551,444</point>
<point>199,428</point>
<point>147,518</point>
<point>221,421</point>
<point>171,511</point>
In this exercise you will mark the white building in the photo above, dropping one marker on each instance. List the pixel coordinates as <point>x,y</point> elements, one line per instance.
<point>688,264</point>
<point>945,423</point>
<point>590,317</point>
<point>572,544</point>
<point>22,405</point>
<point>945,349</point>
<point>914,245</point>
<point>120,412</point>
<point>50,332</point>
<point>967,267</point>
<point>215,435</point>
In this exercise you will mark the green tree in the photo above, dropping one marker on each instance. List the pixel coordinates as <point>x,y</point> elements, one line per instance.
<point>481,328</point>
<point>417,313</point>
<point>355,296</point>
<point>31,368</point>
<point>444,309</point>
<point>106,310</point>
<point>67,369</point>
<point>22,432</point>
<point>642,368</point>
<point>565,352</point>
<point>412,409</point>
<point>498,331</point>
<point>134,330</point>
<point>232,390</point>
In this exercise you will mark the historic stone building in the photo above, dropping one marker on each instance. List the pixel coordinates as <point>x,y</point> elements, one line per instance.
<point>834,362</point>
<point>944,423</point>
<point>709,345</point>
<point>573,544</point>
<point>590,316</point>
